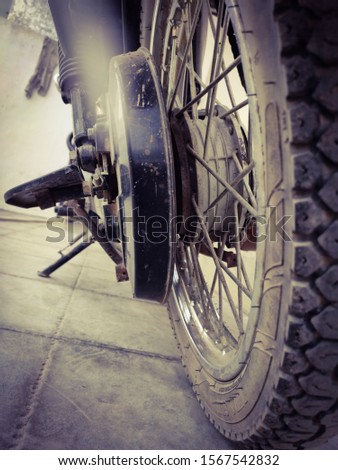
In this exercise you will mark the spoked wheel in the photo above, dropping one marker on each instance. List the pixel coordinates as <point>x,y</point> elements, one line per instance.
<point>246,87</point>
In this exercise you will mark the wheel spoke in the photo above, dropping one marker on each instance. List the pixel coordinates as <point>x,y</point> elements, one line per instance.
<point>198,79</point>
<point>214,319</point>
<point>218,266</point>
<point>239,265</point>
<point>173,59</point>
<point>211,320</point>
<point>171,99</point>
<point>234,109</point>
<point>153,26</point>
<point>228,186</point>
<point>201,286</point>
<point>239,284</point>
<point>220,296</point>
<point>247,186</point>
<point>234,183</point>
<point>226,78</point>
<point>210,107</point>
<point>211,85</point>
<point>191,69</point>
<point>218,69</point>
<point>246,278</point>
<point>190,66</point>
<point>220,252</point>
<point>235,280</point>
<point>214,64</point>
<point>213,30</point>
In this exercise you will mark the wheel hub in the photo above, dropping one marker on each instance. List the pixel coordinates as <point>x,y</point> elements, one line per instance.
<point>225,148</point>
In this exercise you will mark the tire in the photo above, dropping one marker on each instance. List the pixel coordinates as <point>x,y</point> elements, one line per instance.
<point>274,384</point>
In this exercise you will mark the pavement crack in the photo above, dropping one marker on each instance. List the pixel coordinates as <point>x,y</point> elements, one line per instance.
<point>99,346</point>
<point>65,286</point>
<point>76,406</point>
<point>25,419</point>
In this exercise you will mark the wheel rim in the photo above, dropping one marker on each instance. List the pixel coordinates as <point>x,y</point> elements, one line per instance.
<point>217,303</point>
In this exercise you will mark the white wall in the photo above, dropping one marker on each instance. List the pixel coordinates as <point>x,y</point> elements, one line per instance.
<point>33,131</point>
<point>34,15</point>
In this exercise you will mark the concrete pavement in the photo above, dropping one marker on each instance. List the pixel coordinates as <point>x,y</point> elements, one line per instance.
<point>83,366</point>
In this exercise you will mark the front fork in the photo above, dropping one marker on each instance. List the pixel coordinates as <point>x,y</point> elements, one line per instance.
<point>90,33</point>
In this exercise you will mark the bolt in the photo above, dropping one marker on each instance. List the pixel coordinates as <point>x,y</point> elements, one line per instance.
<point>97,180</point>
<point>87,188</point>
<point>174,32</point>
<point>121,273</point>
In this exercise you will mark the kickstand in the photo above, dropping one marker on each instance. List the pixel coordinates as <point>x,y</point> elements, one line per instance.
<point>68,256</point>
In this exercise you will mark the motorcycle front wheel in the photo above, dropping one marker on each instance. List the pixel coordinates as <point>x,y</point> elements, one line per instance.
<point>251,92</point>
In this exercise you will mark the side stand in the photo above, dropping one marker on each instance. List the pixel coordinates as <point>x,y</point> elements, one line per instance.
<point>67,257</point>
